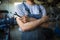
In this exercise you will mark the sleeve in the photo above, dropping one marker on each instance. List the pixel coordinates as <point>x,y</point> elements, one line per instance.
<point>19,10</point>
<point>43,10</point>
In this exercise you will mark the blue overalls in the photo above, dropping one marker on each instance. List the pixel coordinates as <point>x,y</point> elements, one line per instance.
<point>34,34</point>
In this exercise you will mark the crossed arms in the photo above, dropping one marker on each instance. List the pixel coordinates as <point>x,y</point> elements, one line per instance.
<point>30,23</point>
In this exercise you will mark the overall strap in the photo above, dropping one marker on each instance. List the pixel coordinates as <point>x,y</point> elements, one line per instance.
<point>26,8</point>
<point>40,11</point>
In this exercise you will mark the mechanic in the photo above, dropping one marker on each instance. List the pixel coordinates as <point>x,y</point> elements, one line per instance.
<point>32,16</point>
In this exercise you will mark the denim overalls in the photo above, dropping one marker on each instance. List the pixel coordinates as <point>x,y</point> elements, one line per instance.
<point>34,34</point>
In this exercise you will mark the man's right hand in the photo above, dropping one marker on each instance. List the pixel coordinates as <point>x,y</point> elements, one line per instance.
<point>24,19</point>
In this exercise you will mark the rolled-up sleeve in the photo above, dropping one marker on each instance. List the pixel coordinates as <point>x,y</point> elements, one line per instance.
<point>43,10</point>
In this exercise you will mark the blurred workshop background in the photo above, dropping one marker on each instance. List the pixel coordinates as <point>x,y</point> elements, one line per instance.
<point>8,27</point>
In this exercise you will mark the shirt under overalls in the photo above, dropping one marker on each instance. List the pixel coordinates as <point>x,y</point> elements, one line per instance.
<point>34,12</point>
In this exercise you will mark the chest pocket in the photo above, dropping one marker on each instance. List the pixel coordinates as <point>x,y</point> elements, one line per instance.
<point>37,16</point>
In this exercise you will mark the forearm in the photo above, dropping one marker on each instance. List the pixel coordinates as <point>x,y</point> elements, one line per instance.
<point>45,24</point>
<point>29,25</point>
